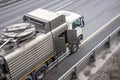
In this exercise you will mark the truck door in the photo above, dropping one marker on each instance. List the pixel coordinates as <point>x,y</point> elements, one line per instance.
<point>78,25</point>
<point>59,44</point>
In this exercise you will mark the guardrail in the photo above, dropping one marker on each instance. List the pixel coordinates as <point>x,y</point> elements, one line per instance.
<point>73,71</point>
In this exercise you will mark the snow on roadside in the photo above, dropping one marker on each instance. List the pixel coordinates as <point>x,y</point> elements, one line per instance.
<point>104,66</point>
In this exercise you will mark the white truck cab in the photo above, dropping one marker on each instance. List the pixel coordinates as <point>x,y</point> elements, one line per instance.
<point>75,22</point>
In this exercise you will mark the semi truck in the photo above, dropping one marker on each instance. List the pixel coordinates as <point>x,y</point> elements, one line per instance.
<point>44,38</point>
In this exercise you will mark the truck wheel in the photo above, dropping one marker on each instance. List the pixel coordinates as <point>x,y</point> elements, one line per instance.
<point>74,48</point>
<point>40,73</point>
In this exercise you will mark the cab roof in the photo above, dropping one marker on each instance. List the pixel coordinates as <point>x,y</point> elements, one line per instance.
<point>70,16</point>
<point>44,14</point>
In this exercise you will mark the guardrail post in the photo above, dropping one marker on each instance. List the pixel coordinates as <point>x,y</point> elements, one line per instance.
<point>92,57</point>
<point>119,33</point>
<point>107,44</point>
<point>74,75</point>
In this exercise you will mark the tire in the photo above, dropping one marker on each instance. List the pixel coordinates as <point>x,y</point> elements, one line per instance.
<point>40,73</point>
<point>74,48</point>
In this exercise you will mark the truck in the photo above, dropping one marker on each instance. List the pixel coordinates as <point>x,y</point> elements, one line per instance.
<point>32,47</point>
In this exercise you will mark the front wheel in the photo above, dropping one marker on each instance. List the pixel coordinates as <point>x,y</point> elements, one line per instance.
<point>74,48</point>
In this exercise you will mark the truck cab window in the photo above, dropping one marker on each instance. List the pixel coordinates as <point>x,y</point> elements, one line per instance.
<point>76,23</point>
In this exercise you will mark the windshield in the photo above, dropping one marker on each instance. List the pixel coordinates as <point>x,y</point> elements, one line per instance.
<point>76,23</point>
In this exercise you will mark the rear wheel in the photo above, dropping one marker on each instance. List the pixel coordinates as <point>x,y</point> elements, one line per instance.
<point>74,48</point>
<point>40,73</point>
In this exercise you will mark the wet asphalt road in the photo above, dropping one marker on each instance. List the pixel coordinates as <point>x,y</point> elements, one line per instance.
<point>96,13</point>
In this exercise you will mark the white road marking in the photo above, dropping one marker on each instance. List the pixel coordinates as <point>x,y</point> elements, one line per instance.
<point>64,5</point>
<point>99,30</point>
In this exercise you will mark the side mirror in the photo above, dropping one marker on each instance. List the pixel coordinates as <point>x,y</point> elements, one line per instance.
<point>82,22</point>
<point>24,18</point>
